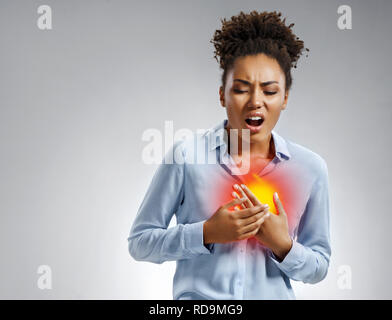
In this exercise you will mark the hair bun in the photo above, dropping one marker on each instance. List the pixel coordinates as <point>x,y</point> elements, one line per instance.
<point>257,25</point>
<point>257,32</point>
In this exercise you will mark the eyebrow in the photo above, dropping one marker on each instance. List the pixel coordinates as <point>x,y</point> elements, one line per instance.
<point>263,84</point>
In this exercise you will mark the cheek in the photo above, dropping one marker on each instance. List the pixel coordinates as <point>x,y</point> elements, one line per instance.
<point>273,118</point>
<point>236,100</point>
<point>234,110</point>
<point>275,107</point>
<point>276,100</point>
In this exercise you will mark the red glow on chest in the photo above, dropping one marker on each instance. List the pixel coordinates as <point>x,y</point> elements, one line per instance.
<point>264,187</point>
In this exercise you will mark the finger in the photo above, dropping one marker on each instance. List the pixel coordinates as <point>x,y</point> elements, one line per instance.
<point>232,203</point>
<point>235,195</point>
<point>250,227</point>
<point>255,217</point>
<point>248,203</point>
<point>248,234</point>
<point>278,205</point>
<point>250,195</point>
<point>248,212</point>
<point>254,225</point>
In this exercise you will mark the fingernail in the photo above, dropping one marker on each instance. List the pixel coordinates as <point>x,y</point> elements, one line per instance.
<point>236,186</point>
<point>242,185</point>
<point>234,194</point>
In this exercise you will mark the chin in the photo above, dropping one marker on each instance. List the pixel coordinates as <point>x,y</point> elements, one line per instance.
<point>259,136</point>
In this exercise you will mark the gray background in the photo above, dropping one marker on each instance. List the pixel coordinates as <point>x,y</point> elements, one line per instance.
<point>75,100</point>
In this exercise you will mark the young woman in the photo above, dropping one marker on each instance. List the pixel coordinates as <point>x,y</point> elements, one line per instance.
<point>277,226</point>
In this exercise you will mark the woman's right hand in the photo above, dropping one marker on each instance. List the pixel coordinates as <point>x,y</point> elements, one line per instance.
<point>226,225</point>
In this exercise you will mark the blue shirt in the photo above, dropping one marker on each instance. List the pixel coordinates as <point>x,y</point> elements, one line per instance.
<point>191,185</point>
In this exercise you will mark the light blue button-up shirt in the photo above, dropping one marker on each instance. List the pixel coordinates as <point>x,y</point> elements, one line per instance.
<point>191,185</point>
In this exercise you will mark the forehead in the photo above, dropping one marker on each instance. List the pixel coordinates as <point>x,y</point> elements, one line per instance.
<point>256,68</point>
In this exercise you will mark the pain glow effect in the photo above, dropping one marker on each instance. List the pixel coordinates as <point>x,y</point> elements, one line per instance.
<point>263,190</point>
<point>285,183</point>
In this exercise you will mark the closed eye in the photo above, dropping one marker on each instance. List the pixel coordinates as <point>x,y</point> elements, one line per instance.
<point>268,93</point>
<point>239,91</point>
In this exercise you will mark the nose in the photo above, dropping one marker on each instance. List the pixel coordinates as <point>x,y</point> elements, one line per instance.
<point>256,99</point>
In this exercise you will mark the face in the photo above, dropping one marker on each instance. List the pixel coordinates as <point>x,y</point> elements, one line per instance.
<point>254,96</point>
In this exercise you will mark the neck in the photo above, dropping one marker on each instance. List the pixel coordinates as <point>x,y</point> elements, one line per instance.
<point>264,149</point>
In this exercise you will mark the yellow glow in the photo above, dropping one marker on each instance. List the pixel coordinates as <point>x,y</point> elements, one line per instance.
<point>263,191</point>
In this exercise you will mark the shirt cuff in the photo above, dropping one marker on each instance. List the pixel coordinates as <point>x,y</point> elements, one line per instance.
<point>194,239</point>
<point>294,258</point>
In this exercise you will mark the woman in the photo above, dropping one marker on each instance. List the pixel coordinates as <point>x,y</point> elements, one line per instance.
<point>237,249</point>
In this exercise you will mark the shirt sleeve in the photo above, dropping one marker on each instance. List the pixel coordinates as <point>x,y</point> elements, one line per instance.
<point>308,258</point>
<point>150,239</point>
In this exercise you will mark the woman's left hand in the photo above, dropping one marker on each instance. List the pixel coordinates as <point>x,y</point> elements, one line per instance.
<point>274,232</point>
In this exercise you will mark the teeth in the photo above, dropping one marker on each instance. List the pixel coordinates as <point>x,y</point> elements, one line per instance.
<point>254,118</point>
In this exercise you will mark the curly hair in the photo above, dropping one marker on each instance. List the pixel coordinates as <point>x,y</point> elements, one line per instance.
<point>253,33</point>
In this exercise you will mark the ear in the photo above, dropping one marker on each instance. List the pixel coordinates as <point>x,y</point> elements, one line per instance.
<point>286,97</point>
<point>222,96</point>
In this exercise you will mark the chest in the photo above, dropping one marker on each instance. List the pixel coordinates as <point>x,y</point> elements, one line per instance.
<point>207,188</point>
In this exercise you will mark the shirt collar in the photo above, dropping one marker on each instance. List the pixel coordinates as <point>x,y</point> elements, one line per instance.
<point>216,138</point>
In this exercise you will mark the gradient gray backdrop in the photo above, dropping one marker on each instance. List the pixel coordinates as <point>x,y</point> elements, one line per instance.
<point>75,100</point>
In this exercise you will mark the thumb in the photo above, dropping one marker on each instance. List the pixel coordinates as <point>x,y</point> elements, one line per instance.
<point>278,205</point>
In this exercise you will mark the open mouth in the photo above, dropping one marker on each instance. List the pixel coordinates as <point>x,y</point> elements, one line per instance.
<point>254,121</point>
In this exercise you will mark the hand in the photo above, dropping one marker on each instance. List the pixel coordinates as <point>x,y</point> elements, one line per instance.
<point>226,225</point>
<point>274,232</point>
